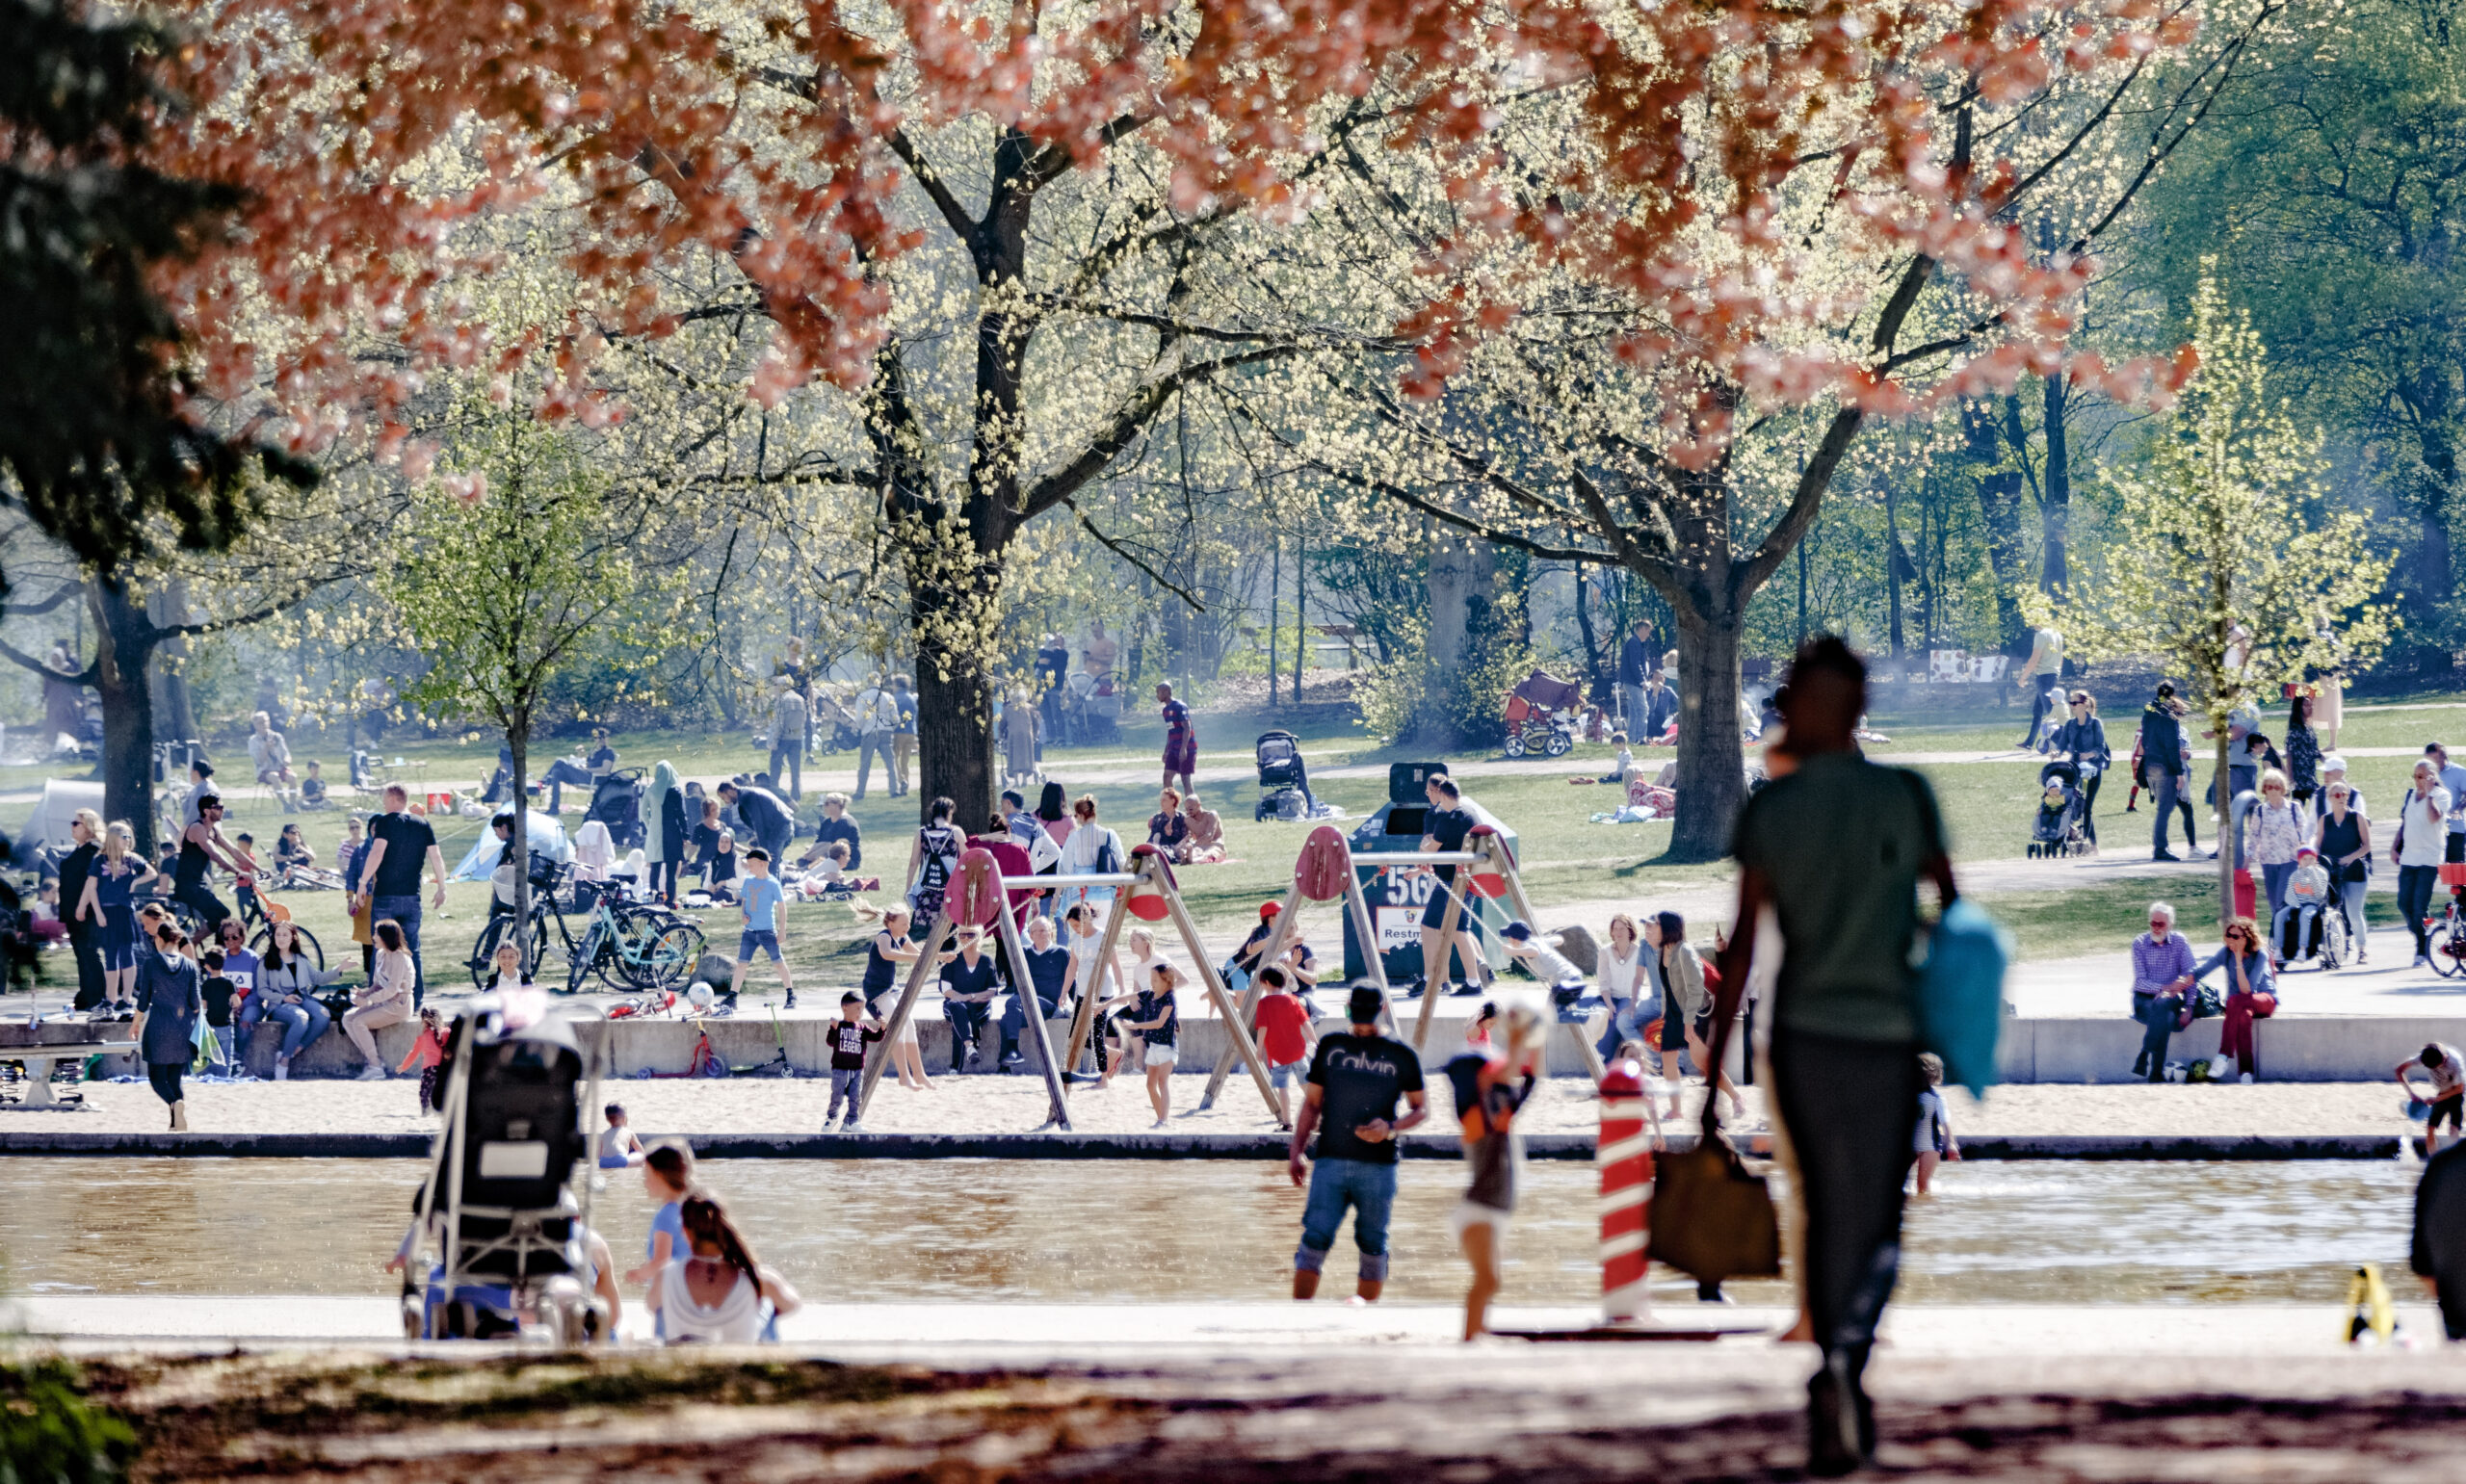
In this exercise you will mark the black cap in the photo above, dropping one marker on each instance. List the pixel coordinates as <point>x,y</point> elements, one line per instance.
<point>1365,1004</point>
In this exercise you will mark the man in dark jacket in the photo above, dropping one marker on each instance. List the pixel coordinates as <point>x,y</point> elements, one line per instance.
<point>1635,663</point>
<point>2440,1234</point>
<point>2162,763</point>
<point>765,814</point>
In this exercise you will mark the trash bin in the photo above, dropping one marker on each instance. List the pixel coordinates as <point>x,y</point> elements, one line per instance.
<point>1396,902</point>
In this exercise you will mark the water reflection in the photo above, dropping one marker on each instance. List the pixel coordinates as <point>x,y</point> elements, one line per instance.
<point>1137,1231</point>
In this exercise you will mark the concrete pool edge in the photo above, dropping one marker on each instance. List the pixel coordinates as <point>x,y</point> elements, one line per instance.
<point>64,1142</point>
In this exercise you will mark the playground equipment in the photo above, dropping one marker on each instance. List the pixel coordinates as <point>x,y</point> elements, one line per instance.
<point>1321,872</point>
<point>1623,1155</point>
<point>1491,877</point>
<point>977,899</point>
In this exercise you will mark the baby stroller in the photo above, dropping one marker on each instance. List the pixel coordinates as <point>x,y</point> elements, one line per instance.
<point>501,1240</point>
<point>2057,830</point>
<point>617,801</point>
<point>1284,782</point>
<point>1541,715</point>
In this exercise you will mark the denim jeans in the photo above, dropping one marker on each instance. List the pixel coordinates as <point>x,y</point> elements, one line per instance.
<point>300,1023</point>
<point>405,910</point>
<point>1370,1190</point>
<point>1621,1026</point>
<point>2350,901</point>
<point>2273,879</point>
<point>560,774</point>
<point>2416,887</point>
<point>2157,1014</point>
<point>2166,791</point>
<point>792,782</point>
<point>868,744</point>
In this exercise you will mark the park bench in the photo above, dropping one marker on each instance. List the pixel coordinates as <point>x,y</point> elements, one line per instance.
<point>40,1047</point>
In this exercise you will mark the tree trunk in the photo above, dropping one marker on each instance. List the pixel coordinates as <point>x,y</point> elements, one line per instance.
<point>1896,565</point>
<point>1712,758</point>
<point>2221,826</point>
<point>1461,570</point>
<point>167,607</point>
<point>1596,675</point>
<point>2055,515</point>
<point>954,718</point>
<point>1999,505</point>
<point>1275,640</point>
<point>123,648</point>
<point>517,740</point>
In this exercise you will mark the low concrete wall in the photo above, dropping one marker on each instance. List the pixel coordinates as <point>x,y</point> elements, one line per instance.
<point>2088,1049</point>
<point>66,1141</point>
<point>2292,1047</point>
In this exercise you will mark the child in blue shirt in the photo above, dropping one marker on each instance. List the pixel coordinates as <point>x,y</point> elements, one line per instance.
<point>762,903</point>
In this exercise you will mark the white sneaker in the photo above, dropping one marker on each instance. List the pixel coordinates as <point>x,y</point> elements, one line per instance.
<point>2245,1079</point>
<point>283,1069</point>
<point>851,1125</point>
<point>372,1073</point>
<point>2423,961</point>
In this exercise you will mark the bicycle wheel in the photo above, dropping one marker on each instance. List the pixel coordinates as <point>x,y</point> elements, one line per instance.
<point>2449,945</point>
<point>190,920</point>
<point>302,941</point>
<point>664,961</point>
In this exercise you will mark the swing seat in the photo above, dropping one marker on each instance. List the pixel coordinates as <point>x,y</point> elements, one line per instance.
<point>1488,883</point>
<point>1325,866</point>
<point>980,888</point>
<point>1147,905</point>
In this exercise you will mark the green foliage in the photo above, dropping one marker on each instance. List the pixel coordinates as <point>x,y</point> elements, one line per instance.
<point>1406,697</point>
<point>50,1434</point>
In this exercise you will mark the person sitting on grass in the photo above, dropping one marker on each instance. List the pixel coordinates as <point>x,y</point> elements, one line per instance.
<point>1205,845</point>
<point>763,909</point>
<point>1626,760</point>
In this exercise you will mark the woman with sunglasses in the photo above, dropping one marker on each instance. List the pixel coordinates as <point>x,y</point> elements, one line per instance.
<point>2251,992</point>
<point>2082,738</point>
<point>2278,830</point>
<point>2343,839</point>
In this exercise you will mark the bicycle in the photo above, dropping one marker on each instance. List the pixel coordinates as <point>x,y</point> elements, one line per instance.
<point>630,945</point>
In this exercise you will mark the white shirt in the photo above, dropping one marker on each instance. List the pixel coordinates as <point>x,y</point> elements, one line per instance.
<point>2424,842</point>
<point>734,1320</point>
<point>1079,851</point>
<point>1619,978</point>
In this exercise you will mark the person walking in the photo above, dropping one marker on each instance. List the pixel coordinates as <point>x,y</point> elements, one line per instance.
<point>2082,739</point>
<point>933,860</point>
<point>2423,837</point>
<point>1682,978</point>
<point>400,843</point>
<point>1158,1020</point>
<point>877,719</point>
<point>1181,739</point>
<point>789,721</point>
<point>107,903</point>
<point>2161,969</point>
<point>1491,1086</point>
<point>2302,752</point>
<point>1090,849</point>
<point>1836,849</point>
<point>2453,778</point>
<point>903,736</point>
<point>1357,1077</point>
<point>850,1035</point>
<point>2045,669</point>
<point>2161,743</point>
<point>2278,830</point>
<point>385,999</point>
<point>2343,839</point>
<point>663,830</point>
<point>762,907</point>
<point>170,996</point>
<point>85,928</point>
<point>1022,735</point>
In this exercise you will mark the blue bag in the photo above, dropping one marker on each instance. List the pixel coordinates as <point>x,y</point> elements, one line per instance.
<point>1960,994</point>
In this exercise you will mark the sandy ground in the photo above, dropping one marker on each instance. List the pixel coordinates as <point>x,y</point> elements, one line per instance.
<point>1503,1411</point>
<point>1016,1104</point>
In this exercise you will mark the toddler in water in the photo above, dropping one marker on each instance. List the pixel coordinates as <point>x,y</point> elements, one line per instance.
<point>619,1146</point>
<point>1935,1142</point>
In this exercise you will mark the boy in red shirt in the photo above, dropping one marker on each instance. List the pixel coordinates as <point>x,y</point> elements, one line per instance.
<point>1285,1036</point>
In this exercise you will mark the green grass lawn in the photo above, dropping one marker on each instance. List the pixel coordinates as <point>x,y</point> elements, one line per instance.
<point>1987,809</point>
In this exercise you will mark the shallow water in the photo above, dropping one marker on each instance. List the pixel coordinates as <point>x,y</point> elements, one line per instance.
<point>1146,1231</point>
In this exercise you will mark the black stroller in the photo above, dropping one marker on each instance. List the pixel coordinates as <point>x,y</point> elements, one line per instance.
<point>500,1245</point>
<point>2058,830</point>
<point>1284,782</point>
<point>617,801</point>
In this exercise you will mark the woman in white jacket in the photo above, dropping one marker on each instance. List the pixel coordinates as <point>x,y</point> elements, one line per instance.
<point>1090,849</point>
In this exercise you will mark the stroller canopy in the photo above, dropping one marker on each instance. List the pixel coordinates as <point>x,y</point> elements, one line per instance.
<point>1549,692</point>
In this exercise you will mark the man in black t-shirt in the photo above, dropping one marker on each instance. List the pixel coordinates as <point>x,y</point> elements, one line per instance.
<point>834,826</point>
<point>1445,828</point>
<point>1355,1082</point>
<point>399,845</point>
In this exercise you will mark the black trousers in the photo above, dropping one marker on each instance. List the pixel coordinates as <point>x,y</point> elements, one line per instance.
<point>89,954</point>
<point>1851,1112</point>
<point>2089,807</point>
<point>166,1077</point>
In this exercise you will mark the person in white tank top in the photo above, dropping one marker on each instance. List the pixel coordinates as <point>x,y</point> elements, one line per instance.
<point>716,1295</point>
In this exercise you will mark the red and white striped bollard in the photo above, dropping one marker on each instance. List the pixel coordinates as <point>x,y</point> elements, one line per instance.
<point>1624,1156</point>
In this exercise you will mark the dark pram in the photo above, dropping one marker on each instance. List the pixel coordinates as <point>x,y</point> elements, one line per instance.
<point>617,801</point>
<point>1284,782</point>
<point>501,1240</point>
<point>1541,715</point>
<point>2058,830</point>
